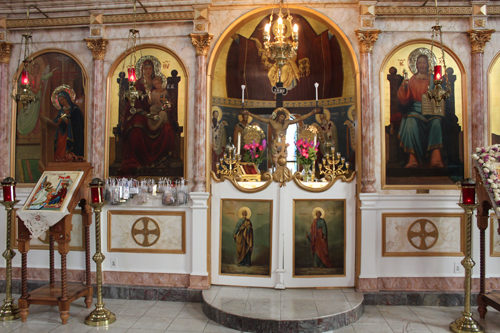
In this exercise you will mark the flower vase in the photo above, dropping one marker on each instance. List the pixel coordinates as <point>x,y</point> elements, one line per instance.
<point>307,173</point>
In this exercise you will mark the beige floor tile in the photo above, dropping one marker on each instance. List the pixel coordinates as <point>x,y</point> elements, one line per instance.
<point>152,323</point>
<point>192,324</point>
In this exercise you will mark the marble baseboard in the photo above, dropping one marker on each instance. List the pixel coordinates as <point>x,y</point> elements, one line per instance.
<point>119,278</point>
<point>151,293</point>
<point>418,299</point>
<point>418,284</point>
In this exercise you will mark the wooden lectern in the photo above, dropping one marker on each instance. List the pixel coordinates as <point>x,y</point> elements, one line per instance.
<point>60,293</point>
<point>492,298</point>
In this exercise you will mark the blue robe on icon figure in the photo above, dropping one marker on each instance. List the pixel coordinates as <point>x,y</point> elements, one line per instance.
<point>420,135</point>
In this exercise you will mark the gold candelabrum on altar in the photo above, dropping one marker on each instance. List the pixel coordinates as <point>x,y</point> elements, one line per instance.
<point>281,49</point>
<point>331,166</point>
<point>229,164</point>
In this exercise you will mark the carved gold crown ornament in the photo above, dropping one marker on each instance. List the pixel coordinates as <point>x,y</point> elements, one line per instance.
<point>281,49</point>
<point>25,95</point>
<point>438,93</point>
<point>133,43</point>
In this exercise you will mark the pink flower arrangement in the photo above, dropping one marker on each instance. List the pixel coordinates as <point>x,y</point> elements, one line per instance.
<point>306,151</point>
<point>254,152</point>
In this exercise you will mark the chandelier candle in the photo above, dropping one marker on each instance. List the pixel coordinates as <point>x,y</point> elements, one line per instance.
<point>438,74</point>
<point>131,74</point>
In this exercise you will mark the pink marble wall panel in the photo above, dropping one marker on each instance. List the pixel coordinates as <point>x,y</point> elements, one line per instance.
<point>198,282</point>
<point>5,115</point>
<point>368,151</point>
<point>420,284</point>
<point>478,109</point>
<point>98,115</point>
<point>200,109</point>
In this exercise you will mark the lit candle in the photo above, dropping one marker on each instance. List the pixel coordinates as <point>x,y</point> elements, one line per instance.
<point>280,21</point>
<point>131,74</point>
<point>96,190</point>
<point>239,141</point>
<point>468,192</point>
<point>242,94</point>
<point>347,165</point>
<point>295,31</point>
<point>9,189</point>
<point>316,85</point>
<point>24,77</point>
<point>438,72</point>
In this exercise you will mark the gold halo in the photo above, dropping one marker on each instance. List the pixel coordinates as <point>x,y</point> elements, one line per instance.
<point>275,113</point>
<point>351,113</point>
<point>253,132</point>
<point>326,112</point>
<point>240,211</point>
<point>321,210</point>
<point>308,132</point>
<point>412,59</point>
<point>240,118</point>
<point>156,68</point>
<point>62,87</point>
<point>219,110</point>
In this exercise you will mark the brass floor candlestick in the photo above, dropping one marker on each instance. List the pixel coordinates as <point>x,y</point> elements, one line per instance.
<point>466,323</point>
<point>100,316</point>
<point>9,310</point>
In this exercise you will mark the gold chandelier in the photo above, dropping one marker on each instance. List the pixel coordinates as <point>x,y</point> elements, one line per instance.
<point>281,49</point>
<point>25,96</point>
<point>438,94</point>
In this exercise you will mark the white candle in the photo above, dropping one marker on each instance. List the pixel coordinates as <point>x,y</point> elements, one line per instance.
<point>315,140</point>
<point>239,142</point>
<point>242,93</point>
<point>316,85</point>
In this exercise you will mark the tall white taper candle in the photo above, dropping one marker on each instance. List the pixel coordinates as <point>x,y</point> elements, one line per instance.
<point>316,85</point>
<point>242,94</point>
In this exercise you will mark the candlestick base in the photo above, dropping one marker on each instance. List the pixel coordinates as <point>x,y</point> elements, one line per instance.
<point>100,316</point>
<point>9,311</point>
<point>466,324</point>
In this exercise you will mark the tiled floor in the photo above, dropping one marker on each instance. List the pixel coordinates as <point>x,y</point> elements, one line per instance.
<point>156,317</point>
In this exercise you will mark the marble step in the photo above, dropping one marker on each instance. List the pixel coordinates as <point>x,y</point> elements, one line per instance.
<point>290,310</point>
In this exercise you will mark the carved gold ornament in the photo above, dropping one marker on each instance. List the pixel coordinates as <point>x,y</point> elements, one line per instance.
<point>97,46</point>
<point>201,43</point>
<point>145,231</point>
<point>425,231</point>
<point>478,39</point>
<point>253,132</point>
<point>5,52</point>
<point>367,38</point>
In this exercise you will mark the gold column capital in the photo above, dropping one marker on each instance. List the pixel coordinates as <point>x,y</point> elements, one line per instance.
<point>97,46</point>
<point>478,39</point>
<point>367,38</point>
<point>5,48</point>
<point>201,42</point>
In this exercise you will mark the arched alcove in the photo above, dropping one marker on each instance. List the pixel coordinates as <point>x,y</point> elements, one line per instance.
<point>33,128</point>
<point>450,140</point>
<point>165,162</point>
<point>239,58</point>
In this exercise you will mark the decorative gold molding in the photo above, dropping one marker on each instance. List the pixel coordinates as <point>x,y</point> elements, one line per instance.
<point>430,10</point>
<point>5,52</point>
<point>367,38</point>
<point>478,39</point>
<point>107,19</point>
<point>492,10</point>
<point>201,42</point>
<point>480,23</point>
<point>297,178</point>
<point>265,177</point>
<point>97,46</point>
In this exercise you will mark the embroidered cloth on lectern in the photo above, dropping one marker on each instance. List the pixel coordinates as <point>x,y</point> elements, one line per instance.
<point>48,202</point>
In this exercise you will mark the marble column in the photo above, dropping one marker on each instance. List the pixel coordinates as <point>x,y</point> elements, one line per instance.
<point>96,151</point>
<point>5,110</point>
<point>478,40</point>
<point>367,38</point>
<point>201,42</point>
